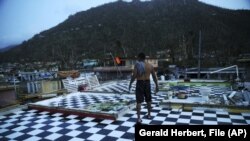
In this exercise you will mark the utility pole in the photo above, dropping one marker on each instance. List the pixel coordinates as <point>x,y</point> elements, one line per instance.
<point>118,70</point>
<point>124,51</point>
<point>104,51</point>
<point>14,78</point>
<point>199,56</point>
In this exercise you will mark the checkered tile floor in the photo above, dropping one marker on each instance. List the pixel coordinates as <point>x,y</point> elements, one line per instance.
<point>215,90</point>
<point>79,100</point>
<point>32,125</point>
<point>120,87</point>
<point>195,89</point>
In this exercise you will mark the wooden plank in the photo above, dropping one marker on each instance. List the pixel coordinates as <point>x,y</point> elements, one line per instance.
<point>188,106</point>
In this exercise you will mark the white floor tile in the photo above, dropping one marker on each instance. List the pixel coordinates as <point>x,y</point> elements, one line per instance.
<point>53,136</point>
<point>96,137</point>
<point>117,134</point>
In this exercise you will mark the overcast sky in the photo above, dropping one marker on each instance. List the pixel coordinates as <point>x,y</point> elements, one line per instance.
<point>22,19</point>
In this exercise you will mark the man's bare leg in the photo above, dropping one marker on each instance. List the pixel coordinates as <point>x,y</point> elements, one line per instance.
<point>149,109</point>
<point>138,108</point>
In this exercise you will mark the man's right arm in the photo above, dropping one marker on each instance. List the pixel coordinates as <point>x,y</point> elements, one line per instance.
<point>133,77</point>
<point>155,80</point>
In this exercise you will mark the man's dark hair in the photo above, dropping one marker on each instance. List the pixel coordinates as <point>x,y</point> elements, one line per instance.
<point>141,56</point>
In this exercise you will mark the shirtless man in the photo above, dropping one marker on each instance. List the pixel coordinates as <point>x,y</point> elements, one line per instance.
<point>141,72</point>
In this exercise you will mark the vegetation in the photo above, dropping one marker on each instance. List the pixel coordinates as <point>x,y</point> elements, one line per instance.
<point>127,28</point>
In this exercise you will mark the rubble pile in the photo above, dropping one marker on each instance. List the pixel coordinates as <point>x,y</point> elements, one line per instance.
<point>239,98</point>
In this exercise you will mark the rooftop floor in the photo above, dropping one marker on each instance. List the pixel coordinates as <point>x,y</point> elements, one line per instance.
<point>30,124</point>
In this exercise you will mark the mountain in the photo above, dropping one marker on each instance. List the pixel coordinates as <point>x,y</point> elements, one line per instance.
<point>7,48</point>
<point>126,28</point>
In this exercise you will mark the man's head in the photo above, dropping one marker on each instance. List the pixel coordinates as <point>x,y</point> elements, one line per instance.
<point>141,56</point>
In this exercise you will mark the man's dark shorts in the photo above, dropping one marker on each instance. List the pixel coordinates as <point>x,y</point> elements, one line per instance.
<point>143,90</point>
